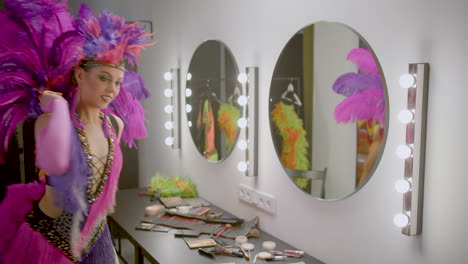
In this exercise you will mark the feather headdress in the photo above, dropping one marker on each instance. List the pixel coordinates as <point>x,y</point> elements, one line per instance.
<point>41,43</point>
<point>365,96</point>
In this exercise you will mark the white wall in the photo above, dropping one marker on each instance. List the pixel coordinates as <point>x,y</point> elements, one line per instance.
<point>358,229</point>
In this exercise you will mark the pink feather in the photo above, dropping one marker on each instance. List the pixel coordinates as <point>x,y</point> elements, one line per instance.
<point>366,105</point>
<point>364,61</point>
<point>14,208</point>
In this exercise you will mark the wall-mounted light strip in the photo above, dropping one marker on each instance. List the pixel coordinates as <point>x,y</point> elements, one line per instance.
<point>413,152</point>
<point>173,124</point>
<point>248,121</point>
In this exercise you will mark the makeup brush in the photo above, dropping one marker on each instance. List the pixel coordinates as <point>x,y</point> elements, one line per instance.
<point>226,251</point>
<point>226,227</point>
<point>254,232</point>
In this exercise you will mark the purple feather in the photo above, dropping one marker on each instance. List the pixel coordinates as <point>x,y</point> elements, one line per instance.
<point>351,83</point>
<point>133,83</point>
<point>366,105</point>
<point>364,61</point>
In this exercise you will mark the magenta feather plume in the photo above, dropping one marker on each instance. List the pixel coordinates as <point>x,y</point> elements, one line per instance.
<point>14,208</point>
<point>42,20</point>
<point>11,97</point>
<point>40,43</point>
<point>364,61</point>
<point>108,38</point>
<point>29,30</point>
<point>132,114</point>
<point>351,83</point>
<point>365,105</point>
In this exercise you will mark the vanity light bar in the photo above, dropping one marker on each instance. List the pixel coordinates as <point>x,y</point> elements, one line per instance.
<point>413,152</point>
<point>172,92</point>
<point>248,121</point>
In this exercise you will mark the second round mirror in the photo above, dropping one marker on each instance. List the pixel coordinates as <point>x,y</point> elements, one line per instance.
<point>211,100</point>
<point>328,108</point>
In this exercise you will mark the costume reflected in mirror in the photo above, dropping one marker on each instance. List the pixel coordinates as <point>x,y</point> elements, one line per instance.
<point>290,126</point>
<point>215,89</point>
<point>208,103</point>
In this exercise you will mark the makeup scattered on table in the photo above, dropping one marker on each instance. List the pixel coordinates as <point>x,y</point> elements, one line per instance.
<point>269,245</point>
<point>186,233</point>
<point>152,227</point>
<point>248,247</point>
<point>199,211</point>
<point>207,252</point>
<point>185,209</point>
<point>228,251</point>
<point>190,218</point>
<point>288,253</point>
<point>174,201</point>
<point>201,243</point>
<point>240,240</point>
<point>154,209</point>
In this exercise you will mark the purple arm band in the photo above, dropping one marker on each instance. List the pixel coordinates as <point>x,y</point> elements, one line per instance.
<point>53,141</point>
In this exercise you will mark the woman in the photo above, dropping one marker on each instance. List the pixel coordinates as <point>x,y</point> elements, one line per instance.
<point>63,219</point>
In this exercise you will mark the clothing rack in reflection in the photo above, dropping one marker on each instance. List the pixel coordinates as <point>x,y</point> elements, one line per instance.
<point>294,89</point>
<point>298,80</point>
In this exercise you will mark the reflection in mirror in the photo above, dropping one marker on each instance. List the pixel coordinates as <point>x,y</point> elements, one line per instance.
<point>328,110</point>
<point>211,95</point>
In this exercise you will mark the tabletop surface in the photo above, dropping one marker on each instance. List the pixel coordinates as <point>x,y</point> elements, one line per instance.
<point>167,249</point>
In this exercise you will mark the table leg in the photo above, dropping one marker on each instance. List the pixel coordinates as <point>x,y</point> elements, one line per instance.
<point>138,255</point>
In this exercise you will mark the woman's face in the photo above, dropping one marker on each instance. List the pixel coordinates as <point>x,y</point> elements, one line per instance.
<point>99,85</point>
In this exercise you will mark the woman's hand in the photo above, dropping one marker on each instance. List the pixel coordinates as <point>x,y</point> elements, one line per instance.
<point>46,97</point>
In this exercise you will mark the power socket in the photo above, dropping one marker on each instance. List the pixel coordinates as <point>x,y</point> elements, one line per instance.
<point>247,194</point>
<point>261,200</point>
<point>266,202</point>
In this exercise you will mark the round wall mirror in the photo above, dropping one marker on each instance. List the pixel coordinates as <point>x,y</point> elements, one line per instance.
<point>328,108</point>
<point>211,94</point>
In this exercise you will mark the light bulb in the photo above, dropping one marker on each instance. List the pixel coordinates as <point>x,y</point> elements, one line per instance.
<point>404,151</point>
<point>169,141</point>
<point>242,100</point>
<point>401,220</point>
<point>168,92</point>
<point>188,108</point>
<point>402,186</point>
<point>189,123</point>
<point>242,144</point>
<point>189,76</point>
<point>242,78</point>
<point>167,76</point>
<point>242,122</point>
<point>242,166</point>
<point>405,116</point>
<point>407,80</point>
<point>168,125</point>
<point>188,92</point>
<point>168,109</point>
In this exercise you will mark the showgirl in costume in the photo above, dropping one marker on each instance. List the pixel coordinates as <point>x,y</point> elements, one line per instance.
<point>68,74</point>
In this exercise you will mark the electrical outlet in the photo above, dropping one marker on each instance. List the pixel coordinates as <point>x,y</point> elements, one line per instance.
<point>266,202</point>
<point>247,194</point>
